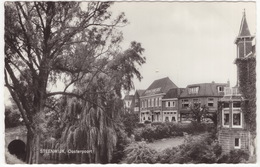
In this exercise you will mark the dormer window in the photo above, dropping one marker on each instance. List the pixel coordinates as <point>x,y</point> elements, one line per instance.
<point>220,89</point>
<point>194,90</point>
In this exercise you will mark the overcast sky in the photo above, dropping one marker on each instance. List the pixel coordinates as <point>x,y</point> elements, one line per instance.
<point>190,42</point>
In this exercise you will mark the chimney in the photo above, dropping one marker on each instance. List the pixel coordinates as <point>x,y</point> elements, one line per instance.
<point>213,82</point>
<point>228,83</point>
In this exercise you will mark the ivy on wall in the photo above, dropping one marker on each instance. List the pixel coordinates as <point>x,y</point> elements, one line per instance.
<point>247,86</point>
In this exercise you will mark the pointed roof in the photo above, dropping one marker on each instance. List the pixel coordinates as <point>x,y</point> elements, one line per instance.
<point>244,30</point>
<point>140,92</point>
<point>159,86</point>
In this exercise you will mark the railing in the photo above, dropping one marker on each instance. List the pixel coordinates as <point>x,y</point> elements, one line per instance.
<point>228,91</point>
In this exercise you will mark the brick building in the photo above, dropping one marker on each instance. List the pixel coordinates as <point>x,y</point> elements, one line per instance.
<point>151,100</point>
<point>170,105</point>
<point>207,94</point>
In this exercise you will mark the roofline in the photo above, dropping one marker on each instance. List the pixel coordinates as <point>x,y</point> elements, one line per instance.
<point>199,84</point>
<point>141,97</point>
<point>200,96</point>
<point>169,99</point>
<point>241,37</point>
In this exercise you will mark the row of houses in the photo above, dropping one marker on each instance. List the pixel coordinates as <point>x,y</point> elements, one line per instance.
<point>163,101</point>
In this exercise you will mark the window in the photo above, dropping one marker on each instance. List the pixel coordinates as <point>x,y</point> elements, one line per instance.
<point>236,104</point>
<point>196,101</point>
<point>174,112</point>
<point>152,102</point>
<point>237,119</point>
<point>166,119</point>
<point>149,103</point>
<point>193,90</point>
<point>220,89</point>
<point>210,102</point>
<point>160,101</point>
<point>226,105</point>
<point>185,103</point>
<point>144,118</point>
<point>173,119</point>
<point>237,143</point>
<point>226,118</point>
<point>156,102</point>
<point>173,104</point>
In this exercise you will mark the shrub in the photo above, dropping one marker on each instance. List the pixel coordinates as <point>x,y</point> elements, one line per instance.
<point>139,152</point>
<point>200,150</point>
<point>234,156</point>
<point>167,130</point>
<point>147,122</point>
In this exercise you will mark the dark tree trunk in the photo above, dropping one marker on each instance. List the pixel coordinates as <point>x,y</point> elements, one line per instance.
<point>33,148</point>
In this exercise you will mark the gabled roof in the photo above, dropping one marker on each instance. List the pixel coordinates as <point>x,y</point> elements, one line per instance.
<point>173,93</point>
<point>162,85</point>
<point>205,90</point>
<point>140,92</point>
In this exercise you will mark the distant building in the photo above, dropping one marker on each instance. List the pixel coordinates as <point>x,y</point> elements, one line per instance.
<point>137,102</point>
<point>151,100</point>
<point>170,105</point>
<point>236,126</point>
<point>207,94</point>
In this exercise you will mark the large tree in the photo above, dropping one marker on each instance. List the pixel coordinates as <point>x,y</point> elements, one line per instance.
<point>72,42</point>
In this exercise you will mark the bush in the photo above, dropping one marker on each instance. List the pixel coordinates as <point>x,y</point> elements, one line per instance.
<point>122,142</point>
<point>147,122</point>
<point>200,150</point>
<point>167,130</point>
<point>234,156</point>
<point>140,153</point>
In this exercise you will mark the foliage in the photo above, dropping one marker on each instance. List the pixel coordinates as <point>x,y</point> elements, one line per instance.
<point>12,118</point>
<point>139,152</point>
<point>167,130</point>
<point>234,156</point>
<point>200,150</point>
<point>78,44</point>
<point>198,111</point>
<point>121,144</point>
<point>247,86</point>
<point>130,121</point>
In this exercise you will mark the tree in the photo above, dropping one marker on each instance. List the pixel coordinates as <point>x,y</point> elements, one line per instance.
<point>130,121</point>
<point>198,111</point>
<point>49,42</point>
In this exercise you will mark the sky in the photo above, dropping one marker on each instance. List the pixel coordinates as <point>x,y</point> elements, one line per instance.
<point>189,42</point>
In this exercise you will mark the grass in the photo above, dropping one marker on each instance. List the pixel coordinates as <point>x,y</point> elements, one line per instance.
<point>160,145</point>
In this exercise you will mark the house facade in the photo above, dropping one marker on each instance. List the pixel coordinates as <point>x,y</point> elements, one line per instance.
<point>151,100</point>
<point>170,105</point>
<point>237,116</point>
<point>205,94</point>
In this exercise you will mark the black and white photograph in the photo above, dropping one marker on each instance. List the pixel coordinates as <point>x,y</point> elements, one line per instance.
<point>130,82</point>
